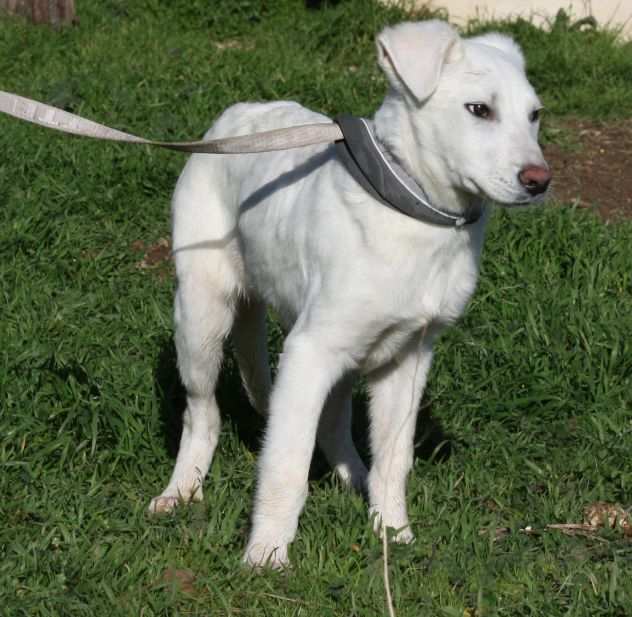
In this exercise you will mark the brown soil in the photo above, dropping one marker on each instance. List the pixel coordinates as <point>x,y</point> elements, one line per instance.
<point>592,166</point>
<point>156,257</point>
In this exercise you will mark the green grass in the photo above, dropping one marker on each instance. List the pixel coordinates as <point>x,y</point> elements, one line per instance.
<point>532,387</point>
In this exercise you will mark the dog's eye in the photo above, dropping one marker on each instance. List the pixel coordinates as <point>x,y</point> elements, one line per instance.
<point>480,110</point>
<point>535,115</point>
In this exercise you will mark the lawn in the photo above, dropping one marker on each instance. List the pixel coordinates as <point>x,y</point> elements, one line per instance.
<point>530,394</point>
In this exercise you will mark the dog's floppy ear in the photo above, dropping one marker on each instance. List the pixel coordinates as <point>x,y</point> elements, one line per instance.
<point>506,44</point>
<point>413,54</point>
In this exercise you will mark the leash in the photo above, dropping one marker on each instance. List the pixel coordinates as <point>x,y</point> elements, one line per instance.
<point>358,149</point>
<point>267,141</point>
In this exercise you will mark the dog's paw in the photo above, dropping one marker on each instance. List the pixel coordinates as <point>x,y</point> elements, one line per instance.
<point>163,504</point>
<point>399,535</point>
<point>261,555</point>
<point>355,478</point>
<point>404,536</point>
<point>398,530</point>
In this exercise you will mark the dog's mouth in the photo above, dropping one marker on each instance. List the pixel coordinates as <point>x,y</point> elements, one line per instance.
<point>522,203</point>
<point>520,200</point>
<point>531,200</point>
<point>506,194</point>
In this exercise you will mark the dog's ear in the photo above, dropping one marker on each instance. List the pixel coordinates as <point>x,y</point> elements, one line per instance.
<point>413,54</point>
<point>506,44</point>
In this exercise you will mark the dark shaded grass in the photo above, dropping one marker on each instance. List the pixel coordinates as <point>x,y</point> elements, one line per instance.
<point>532,389</point>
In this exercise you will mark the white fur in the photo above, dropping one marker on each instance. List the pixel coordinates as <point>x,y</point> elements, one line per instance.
<point>359,287</point>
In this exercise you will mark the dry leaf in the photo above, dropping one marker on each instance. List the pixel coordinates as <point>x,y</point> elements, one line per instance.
<point>602,513</point>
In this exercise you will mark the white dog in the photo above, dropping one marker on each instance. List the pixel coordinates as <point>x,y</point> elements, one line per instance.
<point>359,286</point>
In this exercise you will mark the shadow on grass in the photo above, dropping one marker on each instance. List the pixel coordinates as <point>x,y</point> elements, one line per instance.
<point>431,441</point>
<point>231,398</point>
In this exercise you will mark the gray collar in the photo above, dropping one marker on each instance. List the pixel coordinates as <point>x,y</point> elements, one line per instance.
<point>374,168</point>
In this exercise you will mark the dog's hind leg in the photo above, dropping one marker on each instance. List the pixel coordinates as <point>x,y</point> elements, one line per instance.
<point>210,275</point>
<point>250,341</point>
<point>202,323</point>
<point>335,439</point>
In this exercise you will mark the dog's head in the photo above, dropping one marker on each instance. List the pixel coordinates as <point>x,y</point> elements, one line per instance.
<point>471,118</point>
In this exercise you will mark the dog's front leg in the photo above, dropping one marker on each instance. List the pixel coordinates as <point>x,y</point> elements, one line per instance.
<point>307,371</point>
<point>395,394</point>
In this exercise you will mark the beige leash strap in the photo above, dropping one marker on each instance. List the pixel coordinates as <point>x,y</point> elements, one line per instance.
<point>266,141</point>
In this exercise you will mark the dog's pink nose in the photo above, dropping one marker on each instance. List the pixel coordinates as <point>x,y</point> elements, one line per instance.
<point>535,179</point>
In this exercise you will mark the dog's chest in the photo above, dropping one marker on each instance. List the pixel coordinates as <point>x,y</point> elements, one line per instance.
<point>426,294</point>
<point>449,284</point>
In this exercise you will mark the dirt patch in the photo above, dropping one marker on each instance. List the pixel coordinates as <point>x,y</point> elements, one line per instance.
<point>592,166</point>
<point>156,257</point>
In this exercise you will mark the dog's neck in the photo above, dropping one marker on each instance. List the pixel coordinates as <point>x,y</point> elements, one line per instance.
<point>394,130</point>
